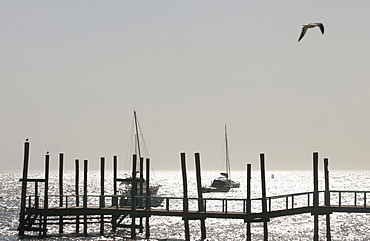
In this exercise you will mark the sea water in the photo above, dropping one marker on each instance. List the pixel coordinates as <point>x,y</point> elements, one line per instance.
<point>344,226</point>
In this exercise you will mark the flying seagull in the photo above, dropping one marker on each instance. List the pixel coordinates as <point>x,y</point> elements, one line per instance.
<point>310,25</point>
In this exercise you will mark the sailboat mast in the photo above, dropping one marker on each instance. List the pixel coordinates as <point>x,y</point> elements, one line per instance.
<point>139,155</point>
<point>227,155</point>
<point>137,135</point>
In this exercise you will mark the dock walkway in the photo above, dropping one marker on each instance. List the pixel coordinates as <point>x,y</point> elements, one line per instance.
<point>38,211</point>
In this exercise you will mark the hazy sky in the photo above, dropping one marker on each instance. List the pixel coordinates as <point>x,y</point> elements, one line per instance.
<point>72,72</point>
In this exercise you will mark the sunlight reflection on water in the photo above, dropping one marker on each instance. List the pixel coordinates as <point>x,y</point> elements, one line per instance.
<point>344,226</point>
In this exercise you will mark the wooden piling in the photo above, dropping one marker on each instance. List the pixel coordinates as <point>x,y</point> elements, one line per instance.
<point>115,199</point>
<point>77,181</point>
<point>61,164</point>
<point>147,187</point>
<point>327,198</point>
<point>24,188</point>
<point>102,175</point>
<point>36,194</point>
<point>185,195</point>
<point>316,195</point>
<point>141,172</point>
<point>200,196</point>
<point>133,197</point>
<point>85,196</point>
<point>102,204</point>
<point>264,200</point>
<point>147,201</point>
<point>77,192</point>
<point>114,175</point>
<point>36,206</point>
<point>249,206</point>
<point>46,191</point>
<point>141,191</point>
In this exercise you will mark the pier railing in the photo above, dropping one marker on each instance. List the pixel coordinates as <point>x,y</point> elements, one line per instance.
<point>338,198</point>
<point>350,198</point>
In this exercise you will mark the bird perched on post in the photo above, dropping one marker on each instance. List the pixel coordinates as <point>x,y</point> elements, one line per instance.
<point>310,25</point>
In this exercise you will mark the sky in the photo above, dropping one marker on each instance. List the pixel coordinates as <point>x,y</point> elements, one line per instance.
<point>73,72</point>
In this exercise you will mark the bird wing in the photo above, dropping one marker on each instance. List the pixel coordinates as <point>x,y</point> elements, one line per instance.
<point>304,30</point>
<point>321,28</point>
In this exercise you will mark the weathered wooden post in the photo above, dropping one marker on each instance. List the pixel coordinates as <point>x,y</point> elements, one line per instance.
<point>264,200</point>
<point>77,181</point>
<point>36,194</point>
<point>114,176</point>
<point>249,206</point>
<point>85,196</point>
<point>102,201</point>
<point>133,197</point>
<point>61,164</point>
<point>316,195</point>
<point>147,187</point>
<point>327,198</point>
<point>185,196</point>
<point>77,192</point>
<point>37,206</point>
<point>200,196</point>
<point>46,191</point>
<point>147,200</point>
<point>22,221</point>
<point>141,191</point>
<point>114,199</point>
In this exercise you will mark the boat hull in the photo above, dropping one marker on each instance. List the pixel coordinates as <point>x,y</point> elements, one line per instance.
<point>215,189</point>
<point>220,185</point>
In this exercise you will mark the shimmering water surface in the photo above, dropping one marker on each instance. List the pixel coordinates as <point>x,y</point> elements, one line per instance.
<point>344,226</point>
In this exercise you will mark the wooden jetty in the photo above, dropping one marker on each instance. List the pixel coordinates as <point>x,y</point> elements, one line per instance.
<point>38,212</point>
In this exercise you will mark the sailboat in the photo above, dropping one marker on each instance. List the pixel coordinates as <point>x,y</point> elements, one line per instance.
<point>141,183</point>
<point>223,183</point>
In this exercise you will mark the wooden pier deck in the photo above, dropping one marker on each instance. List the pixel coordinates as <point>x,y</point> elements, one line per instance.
<point>39,211</point>
<point>288,205</point>
<point>142,212</point>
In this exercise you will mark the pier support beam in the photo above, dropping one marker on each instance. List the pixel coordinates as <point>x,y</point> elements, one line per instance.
<point>141,190</point>
<point>133,197</point>
<point>22,221</point>
<point>264,200</point>
<point>85,196</point>
<point>147,201</point>
<point>102,201</point>
<point>46,191</point>
<point>185,195</point>
<point>327,198</point>
<point>249,207</point>
<point>115,199</point>
<point>77,192</point>
<point>61,167</point>
<point>200,197</point>
<point>316,195</point>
